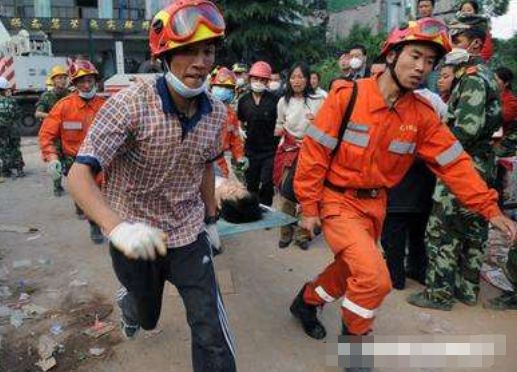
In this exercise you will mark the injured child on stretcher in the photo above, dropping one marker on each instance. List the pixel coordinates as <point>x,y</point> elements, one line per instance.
<point>234,202</point>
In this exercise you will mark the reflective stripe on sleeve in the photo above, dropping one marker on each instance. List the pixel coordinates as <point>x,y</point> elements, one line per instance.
<point>358,310</point>
<point>449,155</point>
<point>324,295</point>
<point>402,147</point>
<point>358,127</point>
<point>358,139</point>
<point>321,137</point>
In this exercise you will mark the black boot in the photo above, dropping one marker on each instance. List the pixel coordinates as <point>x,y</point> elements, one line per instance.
<point>345,332</point>
<point>306,314</point>
<point>95,233</point>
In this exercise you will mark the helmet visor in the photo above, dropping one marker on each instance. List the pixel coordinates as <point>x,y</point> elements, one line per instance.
<point>186,20</point>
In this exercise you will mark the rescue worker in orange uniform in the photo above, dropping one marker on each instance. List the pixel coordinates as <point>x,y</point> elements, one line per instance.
<point>389,126</point>
<point>68,122</point>
<point>223,88</point>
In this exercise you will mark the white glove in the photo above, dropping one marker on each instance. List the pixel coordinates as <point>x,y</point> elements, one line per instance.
<point>243,163</point>
<point>54,169</point>
<point>138,240</point>
<point>213,237</point>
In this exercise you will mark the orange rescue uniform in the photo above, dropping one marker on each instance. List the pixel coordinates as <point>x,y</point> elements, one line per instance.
<point>377,149</point>
<point>232,140</point>
<point>68,121</point>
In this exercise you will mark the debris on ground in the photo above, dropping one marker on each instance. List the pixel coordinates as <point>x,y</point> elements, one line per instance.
<point>56,329</point>
<point>99,328</point>
<point>5,292</point>
<point>33,310</point>
<point>433,325</point>
<point>16,318</point>
<point>18,229</point>
<point>97,351</point>
<point>34,237</point>
<point>78,283</point>
<point>5,311</point>
<point>46,348</point>
<point>20,264</point>
<point>47,364</point>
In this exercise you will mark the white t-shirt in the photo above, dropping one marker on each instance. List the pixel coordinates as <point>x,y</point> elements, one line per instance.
<point>292,116</point>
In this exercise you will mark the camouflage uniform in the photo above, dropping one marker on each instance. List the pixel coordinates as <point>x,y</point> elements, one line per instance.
<point>45,104</point>
<point>10,137</point>
<point>508,300</point>
<point>456,237</point>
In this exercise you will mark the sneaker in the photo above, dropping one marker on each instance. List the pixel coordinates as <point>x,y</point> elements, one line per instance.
<point>59,191</point>
<point>128,328</point>
<point>421,299</point>
<point>95,234</point>
<point>306,314</point>
<point>20,173</point>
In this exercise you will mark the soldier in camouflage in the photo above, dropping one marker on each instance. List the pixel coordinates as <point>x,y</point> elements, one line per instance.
<point>59,78</point>
<point>10,137</point>
<point>456,238</point>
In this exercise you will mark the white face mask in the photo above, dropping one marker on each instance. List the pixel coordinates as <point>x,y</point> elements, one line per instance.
<point>274,85</point>
<point>90,94</point>
<point>356,63</point>
<point>258,87</point>
<point>181,88</point>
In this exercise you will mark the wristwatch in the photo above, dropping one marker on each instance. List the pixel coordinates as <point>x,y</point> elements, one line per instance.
<point>210,220</point>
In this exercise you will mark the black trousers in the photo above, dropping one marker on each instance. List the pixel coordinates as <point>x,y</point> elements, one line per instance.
<point>259,177</point>
<point>190,269</point>
<point>401,231</point>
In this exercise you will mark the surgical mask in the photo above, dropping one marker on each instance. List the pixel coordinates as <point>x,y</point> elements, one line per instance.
<point>258,87</point>
<point>88,95</point>
<point>181,88</point>
<point>356,63</point>
<point>240,82</point>
<point>274,86</point>
<point>223,94</point>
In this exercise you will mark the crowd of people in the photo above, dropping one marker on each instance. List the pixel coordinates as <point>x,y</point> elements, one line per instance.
<point>400,151</point>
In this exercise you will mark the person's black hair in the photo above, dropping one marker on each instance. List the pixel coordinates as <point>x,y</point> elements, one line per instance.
<point>243,210</point>
<point>474,4</point>
<point>360,47</point>
<point>306,72</point>
<point>473,33</point>
<point>419,1</point>
<point>506,75</point>
<point>317,74</point>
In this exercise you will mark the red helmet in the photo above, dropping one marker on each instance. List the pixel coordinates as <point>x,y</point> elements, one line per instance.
<point>224,77</point>
<point>185,22</point>
<point>80,68</point>
<point>261,70</point>
<point>428,30</point>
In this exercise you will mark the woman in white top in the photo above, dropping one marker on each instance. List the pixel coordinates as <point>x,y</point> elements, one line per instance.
<point>315,84</point>
<point>296,110</point>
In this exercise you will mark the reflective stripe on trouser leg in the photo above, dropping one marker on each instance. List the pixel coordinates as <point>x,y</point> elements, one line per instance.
<point>221,311</point>
<point>332,283</point>
<point>353,238</point>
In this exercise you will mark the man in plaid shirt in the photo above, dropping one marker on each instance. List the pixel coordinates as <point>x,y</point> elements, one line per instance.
<point>156,143</point>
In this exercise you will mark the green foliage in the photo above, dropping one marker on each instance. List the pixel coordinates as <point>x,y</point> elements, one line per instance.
<point>271,30</point>
<point>496,7</point>
<point>328,67</point>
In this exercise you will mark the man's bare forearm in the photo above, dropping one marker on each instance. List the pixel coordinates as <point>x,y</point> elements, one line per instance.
<point>87,195</point>
<point>208,190</point>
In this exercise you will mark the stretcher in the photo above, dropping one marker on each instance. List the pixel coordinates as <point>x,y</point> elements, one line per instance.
<point>270,219</point>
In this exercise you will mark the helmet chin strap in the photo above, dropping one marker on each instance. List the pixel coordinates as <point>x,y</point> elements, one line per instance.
<point>391,67</point>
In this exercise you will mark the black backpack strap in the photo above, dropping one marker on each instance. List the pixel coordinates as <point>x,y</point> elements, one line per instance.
<point>345,120</point>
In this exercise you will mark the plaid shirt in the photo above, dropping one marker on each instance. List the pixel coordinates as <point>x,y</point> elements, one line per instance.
<point>154,162</point>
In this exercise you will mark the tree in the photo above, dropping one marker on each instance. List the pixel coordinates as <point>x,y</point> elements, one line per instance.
<point>495,7</point>
<point>271,30</point>
<point>505,52</point>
